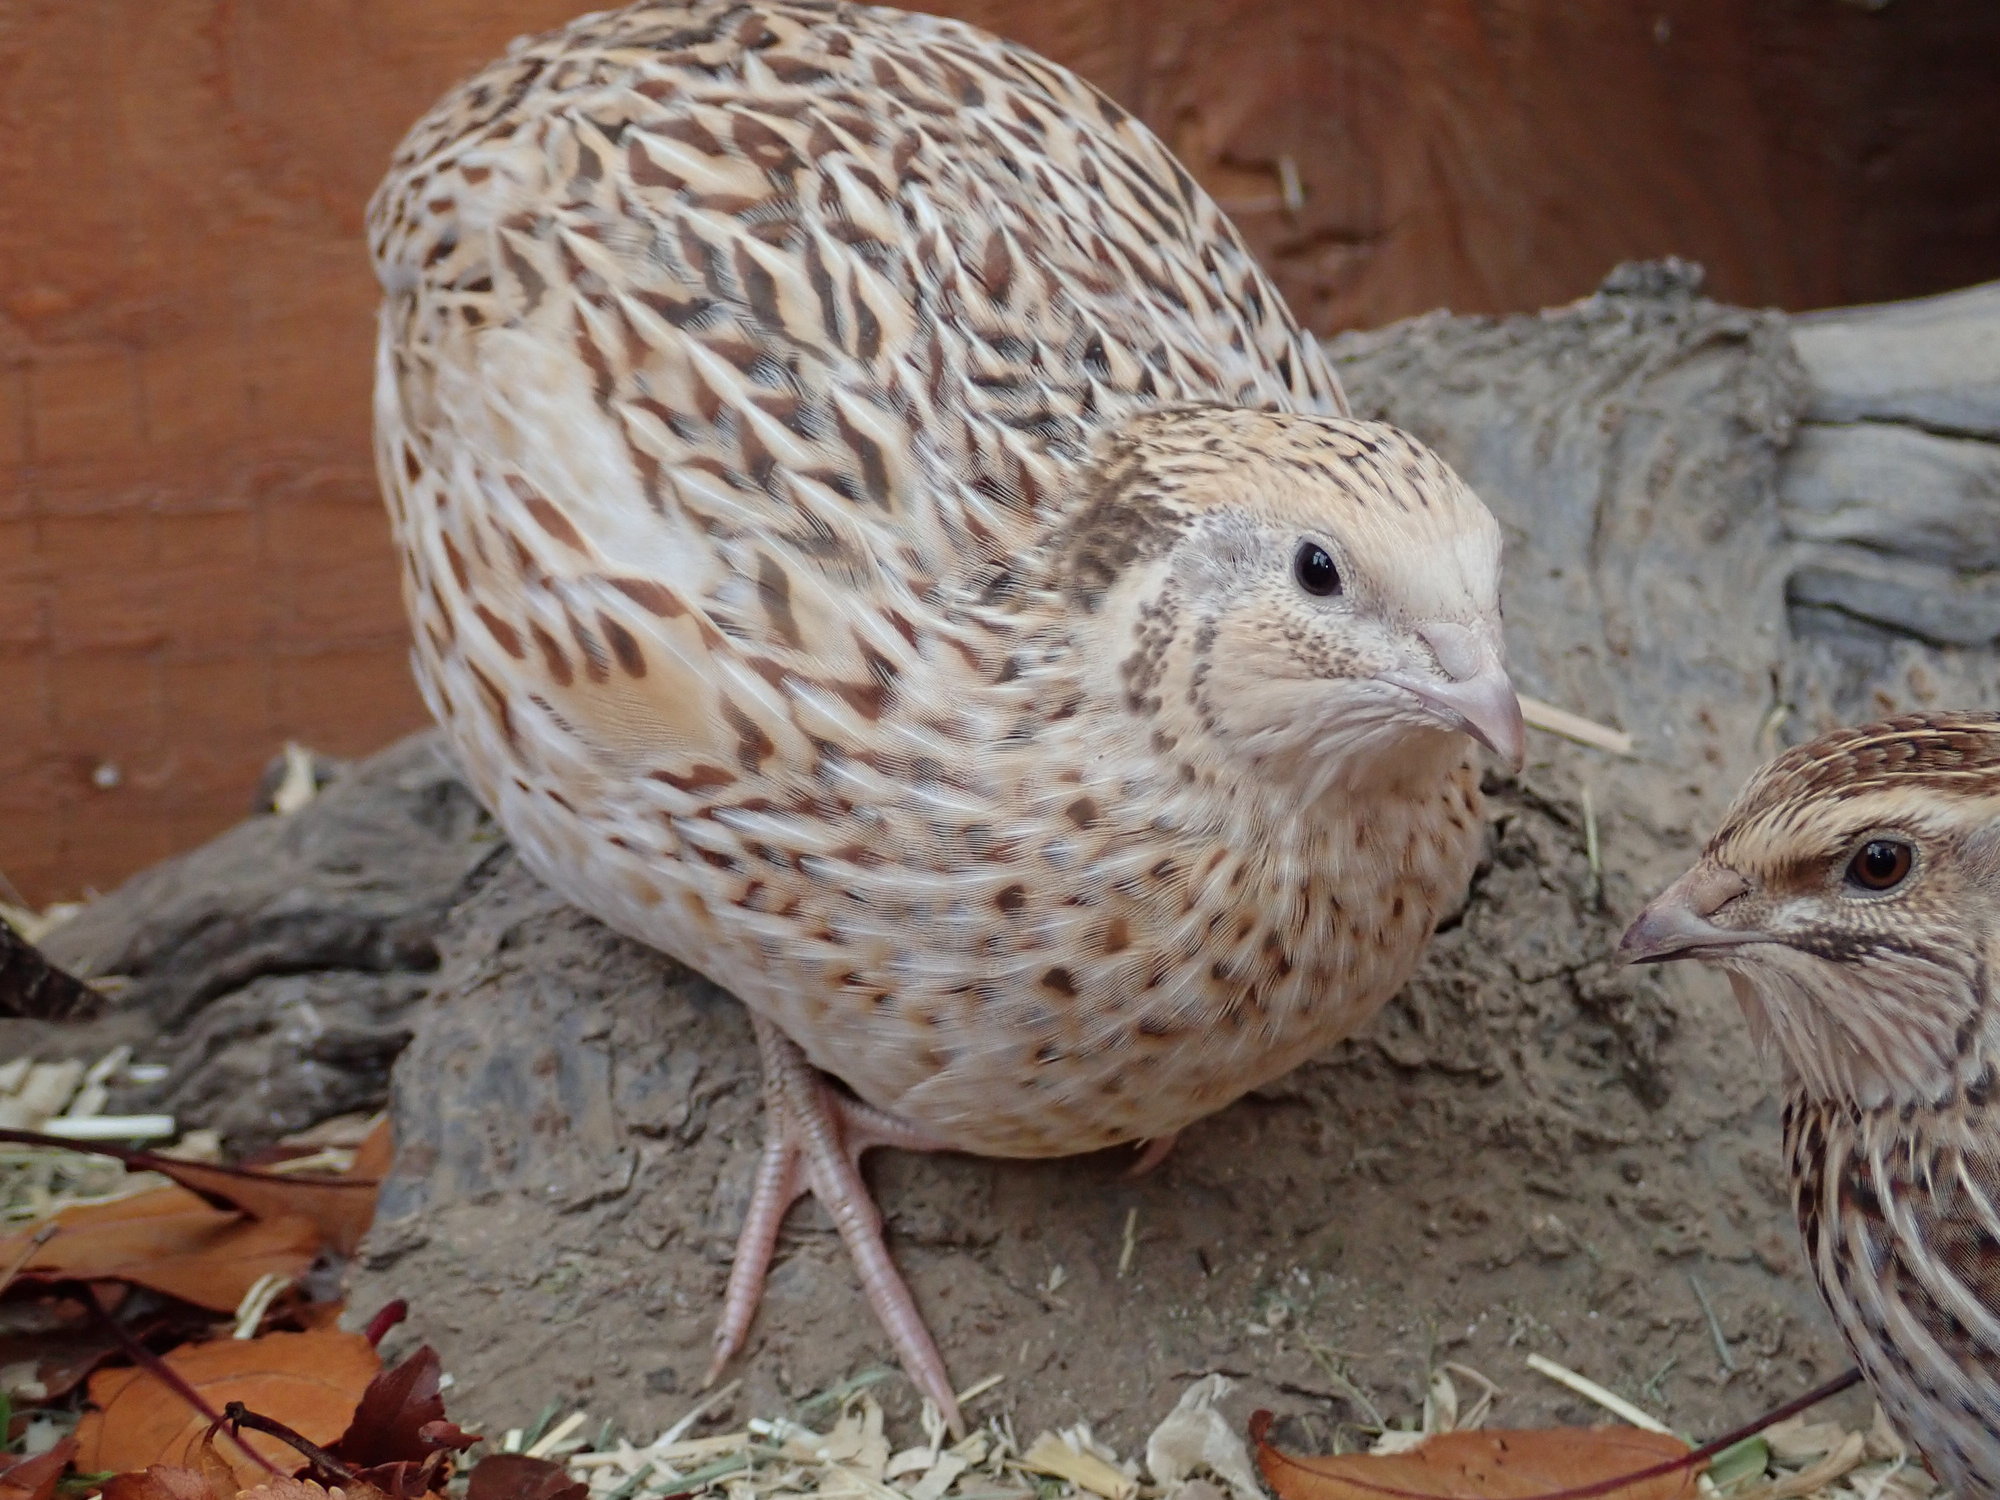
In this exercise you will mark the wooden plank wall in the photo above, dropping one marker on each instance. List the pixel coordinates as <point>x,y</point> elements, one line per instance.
<point>193,563</point>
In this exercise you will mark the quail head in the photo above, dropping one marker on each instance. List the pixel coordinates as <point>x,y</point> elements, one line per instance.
<point>873,533</point>
<point>1852,896</point>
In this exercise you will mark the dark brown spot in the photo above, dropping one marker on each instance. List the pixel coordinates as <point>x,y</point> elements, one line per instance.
<point>596,665</point>
<point>508,637</point>
<point>554,522</point>
<point>1083,812</point>
<point>774,590</point>
<point>874,470</point>
<point>623,646</point>
<point>695,778</point>
<point>497,702</point>
<point>1060,980</point>
<point>763,145</point>
<point>1117,935</point>
<point>1011,898</point>
<point>552,654</point>
<point>457,562</point>
<point>996,267</point>
<point>650,596</point>
<point>753,746</point>
<point>646,172</point>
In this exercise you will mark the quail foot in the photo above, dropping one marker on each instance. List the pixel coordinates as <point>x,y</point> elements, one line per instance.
<point>872,533</point>
<point>1852,896</point>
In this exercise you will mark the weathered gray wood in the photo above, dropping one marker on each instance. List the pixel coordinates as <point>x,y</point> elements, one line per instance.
<point>1895,489</point>
<point>1933,362</point>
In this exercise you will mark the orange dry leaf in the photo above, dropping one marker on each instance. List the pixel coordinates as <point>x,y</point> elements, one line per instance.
<point>169,1240</point>
<point>1494,1465</point>
<point>342,1207</point>
<point>308,1381</point>
<point>210,1478</point>
<point>35,1478</point>
<point>164,1482</point>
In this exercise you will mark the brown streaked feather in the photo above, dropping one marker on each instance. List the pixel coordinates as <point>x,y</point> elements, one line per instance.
<point>742,368</point>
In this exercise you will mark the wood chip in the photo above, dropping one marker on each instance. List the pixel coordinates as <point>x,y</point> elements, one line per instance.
<point>1049,1454</point>
<point>1552,720</point>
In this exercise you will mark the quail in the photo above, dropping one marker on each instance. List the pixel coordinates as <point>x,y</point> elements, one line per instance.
<point>872,532</point>
<point>1852,896</point>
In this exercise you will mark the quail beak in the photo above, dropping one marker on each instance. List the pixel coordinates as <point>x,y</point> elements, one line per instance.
<point>1473,694</point>
<point>1678,922</point>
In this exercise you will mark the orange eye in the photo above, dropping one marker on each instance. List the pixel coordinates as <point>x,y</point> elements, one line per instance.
<point>1881,864</point>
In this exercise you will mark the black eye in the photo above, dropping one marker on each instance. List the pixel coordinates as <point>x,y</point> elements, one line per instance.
<point>1314,569</point>
<point>1881,864</point>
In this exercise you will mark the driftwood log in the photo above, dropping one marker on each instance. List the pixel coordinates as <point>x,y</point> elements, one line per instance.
<point>1725,529</point>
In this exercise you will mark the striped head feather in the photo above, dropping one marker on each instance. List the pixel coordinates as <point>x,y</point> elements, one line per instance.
<point>1301,595</point>
<point>1852,895</point>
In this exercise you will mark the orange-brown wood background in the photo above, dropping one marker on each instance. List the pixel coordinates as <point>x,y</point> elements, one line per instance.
<point>193,562</point>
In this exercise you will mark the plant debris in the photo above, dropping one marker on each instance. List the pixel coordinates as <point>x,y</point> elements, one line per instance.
<point>116,1253</point>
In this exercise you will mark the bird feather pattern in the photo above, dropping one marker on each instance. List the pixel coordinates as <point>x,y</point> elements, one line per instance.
<point>872,532</point>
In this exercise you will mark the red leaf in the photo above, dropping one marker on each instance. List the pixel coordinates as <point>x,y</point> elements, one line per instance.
<point>515,1476</point>
<point>401,1417</point>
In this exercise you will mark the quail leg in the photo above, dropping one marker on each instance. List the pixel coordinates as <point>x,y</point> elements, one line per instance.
<point>1152,1153</point>
<point>813,1143</point>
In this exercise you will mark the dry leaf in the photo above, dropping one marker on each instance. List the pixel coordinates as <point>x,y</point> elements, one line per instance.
<point>400,1435</point>
<point>170,1240</point>
<point>35,1478</point>
<point>515,1476</point>
<point>165,1482</point>
<point>44,1366</point>
<point>1490,1465</point>
<point>308,1381</point>
<point>1195,1436</point>
<point>375,1155</point>
<point>285,1488</point>
<point>1050,1454</point>
<point>400,1418</point>
<point>341,1207</point>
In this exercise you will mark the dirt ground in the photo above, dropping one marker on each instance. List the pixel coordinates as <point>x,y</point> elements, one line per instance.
<point>1529,1151</point>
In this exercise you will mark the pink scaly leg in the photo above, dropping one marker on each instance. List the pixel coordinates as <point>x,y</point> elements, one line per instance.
<point>813,1130</point>
<point>1152,1153</point>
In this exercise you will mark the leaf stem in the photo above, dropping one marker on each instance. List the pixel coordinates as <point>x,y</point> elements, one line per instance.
<point>158,1368</point>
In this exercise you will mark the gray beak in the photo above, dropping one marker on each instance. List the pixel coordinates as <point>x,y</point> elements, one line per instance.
<point>1677,922</point>
<point>1474,695</point>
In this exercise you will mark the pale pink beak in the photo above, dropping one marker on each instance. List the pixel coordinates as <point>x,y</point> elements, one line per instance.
<point>1677,922</point>
<point>1475,695</point>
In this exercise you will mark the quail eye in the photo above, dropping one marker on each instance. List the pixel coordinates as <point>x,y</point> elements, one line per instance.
<point>1313,566</point>
<point>1881,865</point>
